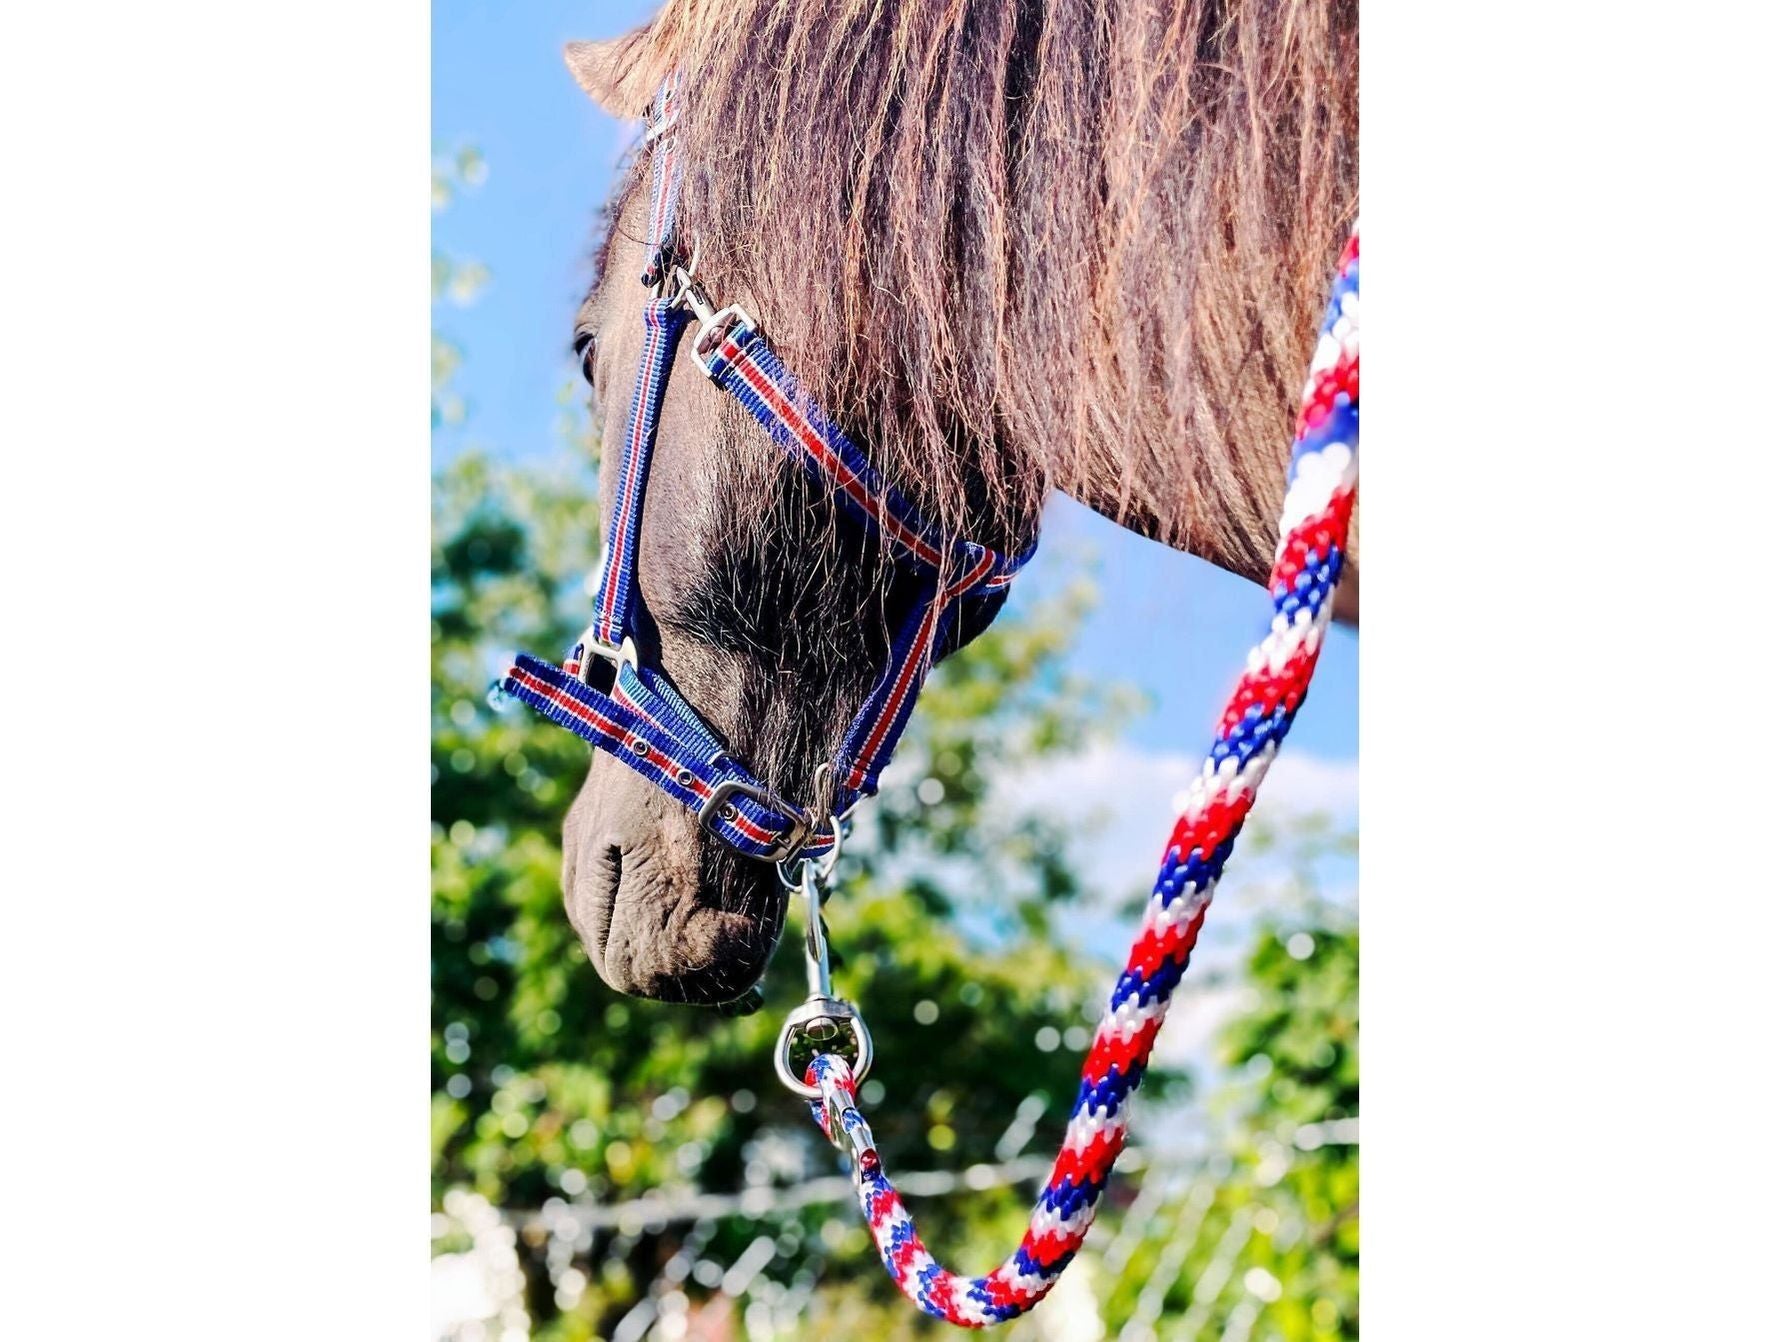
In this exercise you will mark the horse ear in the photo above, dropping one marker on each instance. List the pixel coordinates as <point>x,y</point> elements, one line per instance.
<point>601,72</point>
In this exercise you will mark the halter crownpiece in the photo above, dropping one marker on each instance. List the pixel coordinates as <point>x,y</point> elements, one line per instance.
<point>603,693</point>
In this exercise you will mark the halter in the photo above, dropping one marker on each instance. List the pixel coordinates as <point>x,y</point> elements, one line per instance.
<point>643,721</point>
<point>633,712</point>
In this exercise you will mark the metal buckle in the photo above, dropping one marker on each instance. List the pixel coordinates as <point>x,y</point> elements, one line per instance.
<point>729,320</point>
<point>819,869</point>
<point>799,827</point>
<point>711,324</point>
<point>595,650</point>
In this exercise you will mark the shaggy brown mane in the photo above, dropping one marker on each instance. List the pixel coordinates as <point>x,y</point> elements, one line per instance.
<point>1029,243</point>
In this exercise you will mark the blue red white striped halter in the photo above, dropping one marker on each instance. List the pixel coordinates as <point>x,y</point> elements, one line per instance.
<point>633,712</point>
<point>825,1048</point>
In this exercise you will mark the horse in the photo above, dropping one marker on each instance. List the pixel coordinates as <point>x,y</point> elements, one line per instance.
<point>1013,246</point>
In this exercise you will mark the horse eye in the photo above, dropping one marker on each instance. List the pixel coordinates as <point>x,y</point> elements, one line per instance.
<point>583,347</point>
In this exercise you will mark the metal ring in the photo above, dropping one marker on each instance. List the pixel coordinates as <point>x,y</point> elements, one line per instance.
<point>828,861</point>
<point>860,1035</point>
<point>823,865</point>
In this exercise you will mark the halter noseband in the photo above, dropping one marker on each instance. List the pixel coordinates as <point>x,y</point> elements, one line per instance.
<point>641,718</point>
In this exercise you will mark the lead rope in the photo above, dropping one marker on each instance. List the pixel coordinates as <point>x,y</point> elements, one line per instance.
<point>1314,528</point>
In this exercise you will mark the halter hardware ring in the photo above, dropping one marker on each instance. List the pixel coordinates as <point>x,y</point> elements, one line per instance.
<point>711,323</point>
<point>821,1015</point>
<point>716,325</point>
<point>819,822</point>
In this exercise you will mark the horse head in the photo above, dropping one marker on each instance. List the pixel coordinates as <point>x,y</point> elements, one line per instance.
<point>933,222</point>
<point>771,615</point>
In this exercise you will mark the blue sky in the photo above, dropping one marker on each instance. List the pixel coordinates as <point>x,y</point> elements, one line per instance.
<point>1173,625</point>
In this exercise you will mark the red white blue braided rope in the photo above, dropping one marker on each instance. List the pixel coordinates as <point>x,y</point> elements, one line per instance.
<point>1314,529</point>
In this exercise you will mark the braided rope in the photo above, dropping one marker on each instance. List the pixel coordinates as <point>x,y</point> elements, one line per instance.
<point>1314,529</point>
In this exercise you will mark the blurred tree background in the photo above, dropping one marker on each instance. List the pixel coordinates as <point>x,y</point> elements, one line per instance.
<point>611,1168</point>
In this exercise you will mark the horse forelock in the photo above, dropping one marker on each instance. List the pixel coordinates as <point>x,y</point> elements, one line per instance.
<point>1020,244</point>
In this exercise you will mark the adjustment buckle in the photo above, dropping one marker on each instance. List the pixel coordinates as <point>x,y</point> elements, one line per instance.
<point>800,826</point>
<point>593,650</point>
<point>718,326</point>
<point>712,325</point>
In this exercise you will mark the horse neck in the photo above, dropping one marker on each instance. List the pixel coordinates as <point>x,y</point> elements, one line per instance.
<point>1171,414</point>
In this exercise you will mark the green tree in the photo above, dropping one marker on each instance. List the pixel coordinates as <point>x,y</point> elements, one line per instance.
<point>1264,1232</point>
<point>549,1086</point>
<point>560,1105</point>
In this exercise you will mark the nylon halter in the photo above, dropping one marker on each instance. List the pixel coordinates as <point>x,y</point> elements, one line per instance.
<point>640,717</point>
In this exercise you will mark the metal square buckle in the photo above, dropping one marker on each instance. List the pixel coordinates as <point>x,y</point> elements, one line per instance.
<point>729,320</point>
<point>595,650</point>
<point>799,827</point>
<point>711,324</point>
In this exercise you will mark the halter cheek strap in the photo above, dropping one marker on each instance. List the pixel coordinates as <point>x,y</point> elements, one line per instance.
<point>640,717</point>
<point>742,363</point>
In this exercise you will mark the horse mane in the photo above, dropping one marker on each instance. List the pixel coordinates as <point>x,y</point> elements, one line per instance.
<point>1022,244</point>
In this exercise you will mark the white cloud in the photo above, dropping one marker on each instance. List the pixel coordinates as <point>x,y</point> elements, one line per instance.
<point>1130,794</point>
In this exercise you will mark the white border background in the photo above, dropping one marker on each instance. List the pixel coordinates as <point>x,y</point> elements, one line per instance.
<point>215,530</point>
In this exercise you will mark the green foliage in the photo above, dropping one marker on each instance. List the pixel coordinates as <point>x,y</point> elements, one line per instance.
<point>549,1085</point>
<point>551,1090</point>
<point>451,280</point>
<point>1296,1047</point>
<point>552,1095</point>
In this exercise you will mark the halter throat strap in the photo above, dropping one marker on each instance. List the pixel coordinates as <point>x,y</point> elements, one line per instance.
<point>634,713</point>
